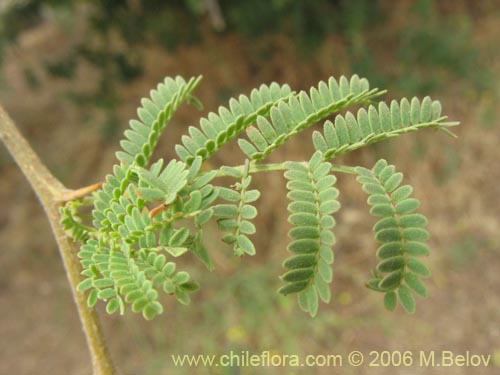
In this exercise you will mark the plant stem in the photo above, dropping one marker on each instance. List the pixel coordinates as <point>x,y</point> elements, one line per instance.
<point>256,168</point>
<point>49,191</point>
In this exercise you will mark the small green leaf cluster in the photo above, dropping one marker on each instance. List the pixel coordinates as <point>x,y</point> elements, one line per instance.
<point>351,132</point>
<point>313,202</point>
<point>122,257</point>
<point>401,234</point>
<point>154,115</point>
<point>219,128</point>
<point>148,214</point>
<point>234,217</point>
<point>287,119</point>
<point>143,136</point>
<point>71,221</point>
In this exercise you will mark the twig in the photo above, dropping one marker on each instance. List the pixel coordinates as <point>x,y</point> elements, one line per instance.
<point>49,191</point>
<point>67,195</point>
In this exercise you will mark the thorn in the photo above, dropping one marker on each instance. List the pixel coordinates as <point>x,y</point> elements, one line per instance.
<point>71,195</point>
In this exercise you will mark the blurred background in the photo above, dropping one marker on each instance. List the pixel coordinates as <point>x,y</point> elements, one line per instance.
<point>72,74</point>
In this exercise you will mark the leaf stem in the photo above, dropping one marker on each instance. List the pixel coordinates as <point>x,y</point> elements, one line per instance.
<point>272,167</point>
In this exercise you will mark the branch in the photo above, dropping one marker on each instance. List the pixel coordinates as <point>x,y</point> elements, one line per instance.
<point>67,195</point>
<point>49,191</point>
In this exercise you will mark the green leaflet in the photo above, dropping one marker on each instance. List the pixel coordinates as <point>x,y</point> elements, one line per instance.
<point>72,223</point>
<point>313,200</point>
<point>219,128</point>
<point>234,217</point>
<point>136,289</point>
<point>289,118</point>
<point>166,183</point>
<point>377,124</point>
<point>399,232</point>
<point>390,300</point>
<point>154,114</point>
